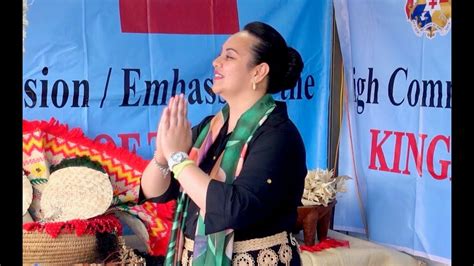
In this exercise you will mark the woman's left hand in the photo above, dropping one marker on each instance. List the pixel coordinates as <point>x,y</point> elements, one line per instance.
<point>176,132</point>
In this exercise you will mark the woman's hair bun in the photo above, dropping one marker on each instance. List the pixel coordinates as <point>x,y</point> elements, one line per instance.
<point>295,66</point>
<point>285,62</point>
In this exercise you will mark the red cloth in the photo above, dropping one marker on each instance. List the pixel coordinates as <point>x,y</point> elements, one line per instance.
<point>325,244</point>
<point>104,223</point>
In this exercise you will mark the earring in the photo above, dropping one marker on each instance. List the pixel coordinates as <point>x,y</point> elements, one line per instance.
<point>254,86</point>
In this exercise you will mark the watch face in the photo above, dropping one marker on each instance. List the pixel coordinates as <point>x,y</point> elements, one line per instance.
<point>177,158</point>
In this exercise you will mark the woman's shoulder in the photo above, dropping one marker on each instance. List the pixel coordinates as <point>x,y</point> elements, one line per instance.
<point>279,119</point>
<point>279,126</point>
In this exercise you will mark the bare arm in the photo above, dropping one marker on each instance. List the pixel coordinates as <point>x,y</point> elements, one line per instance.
<point>195,182</point>
<point>153,182</point>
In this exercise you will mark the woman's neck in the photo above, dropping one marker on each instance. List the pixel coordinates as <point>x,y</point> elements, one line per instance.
<point>239,106</point>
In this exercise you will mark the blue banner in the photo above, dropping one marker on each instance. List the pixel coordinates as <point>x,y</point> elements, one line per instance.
<point>110,67</point>
<point>396,132</point>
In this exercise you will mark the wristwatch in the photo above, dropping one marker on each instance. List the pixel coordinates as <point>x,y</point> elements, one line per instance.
<point>176,158</point>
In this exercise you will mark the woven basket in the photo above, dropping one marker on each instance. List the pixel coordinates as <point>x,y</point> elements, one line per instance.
<point>75,241</point>
<point>66,248</point>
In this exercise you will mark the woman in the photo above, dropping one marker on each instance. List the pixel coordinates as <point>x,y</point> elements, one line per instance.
<point>244,176</point>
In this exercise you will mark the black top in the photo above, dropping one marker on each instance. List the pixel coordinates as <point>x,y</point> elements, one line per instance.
<point>263,199</point>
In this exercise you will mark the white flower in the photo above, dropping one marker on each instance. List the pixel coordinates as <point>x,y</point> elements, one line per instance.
<point>321,187</point>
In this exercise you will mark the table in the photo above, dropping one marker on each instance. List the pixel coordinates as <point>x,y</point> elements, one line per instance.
<point>361,252</point>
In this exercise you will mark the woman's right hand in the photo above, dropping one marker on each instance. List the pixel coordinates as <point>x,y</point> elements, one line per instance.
<point>159,156</point>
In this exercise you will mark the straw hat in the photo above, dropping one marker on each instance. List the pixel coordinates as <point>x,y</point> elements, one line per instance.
<point>27,194</point>
<point>76,192</point>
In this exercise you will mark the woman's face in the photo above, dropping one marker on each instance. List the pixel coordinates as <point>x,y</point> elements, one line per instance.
<point>233,66</point>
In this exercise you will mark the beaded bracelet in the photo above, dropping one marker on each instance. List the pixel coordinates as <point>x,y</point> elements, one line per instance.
<point>163,168</point>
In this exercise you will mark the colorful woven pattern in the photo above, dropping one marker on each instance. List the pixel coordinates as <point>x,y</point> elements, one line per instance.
<point>47,143</point>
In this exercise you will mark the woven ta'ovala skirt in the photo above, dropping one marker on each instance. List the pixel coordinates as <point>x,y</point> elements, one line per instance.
<point>278,249</point>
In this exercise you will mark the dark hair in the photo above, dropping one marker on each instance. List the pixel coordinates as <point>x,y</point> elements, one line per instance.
<point>285,62</point>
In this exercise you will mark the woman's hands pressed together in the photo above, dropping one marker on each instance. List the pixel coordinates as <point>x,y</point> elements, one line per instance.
<point>173,134</point>
<point>174,131</point>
